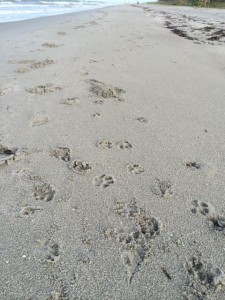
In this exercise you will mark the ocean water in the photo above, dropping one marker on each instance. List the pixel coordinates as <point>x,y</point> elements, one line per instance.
<point>15,10</point>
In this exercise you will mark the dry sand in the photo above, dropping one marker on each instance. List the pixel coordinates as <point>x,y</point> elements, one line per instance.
<point>112,156</point>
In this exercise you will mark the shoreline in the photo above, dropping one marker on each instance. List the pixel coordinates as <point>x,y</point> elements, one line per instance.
<point>112,156</point>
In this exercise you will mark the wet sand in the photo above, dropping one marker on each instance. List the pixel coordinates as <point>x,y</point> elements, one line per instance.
<point>112,164</point>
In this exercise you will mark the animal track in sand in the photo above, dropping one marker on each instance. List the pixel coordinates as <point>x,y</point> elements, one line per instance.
<point>8,156</point>
<point>193,165</point>
<point>28,210</point>
<point>81,167</point>
<point>79,27</point>
<point>50,45</point>
<point>141,119</point>
<point>36,65</point>
<point>104,144</point>
<point>124,145</point>
<point>204,279</point>
<point>44,89</point>
<point>38,120</point>
<point>48,251</point>
<point>103,181</point>
<point>204,208</point>
<point>98,101</point>
<point>61,33</point>
<point>84,71</point>
<point>96,115</point>
<point>44,192</point>
<point>6,90</point>
<point>62,153</point>
<point>102,90</point>
<point>162,188</point>
<point>218,223</point>
<point>135,169</point>
<point>71,101</point>
<point>137,239</point>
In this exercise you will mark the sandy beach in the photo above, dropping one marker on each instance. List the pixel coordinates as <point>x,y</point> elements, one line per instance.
<point>112,155</point>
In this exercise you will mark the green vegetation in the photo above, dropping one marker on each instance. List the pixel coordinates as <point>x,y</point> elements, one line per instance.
<point>200,3</point>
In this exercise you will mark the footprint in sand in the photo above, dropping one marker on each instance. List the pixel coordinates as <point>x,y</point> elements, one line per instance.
<point>104,91</point>
<point>124,145</point>
<point>103,181</point>
<point>104,144</point>
<point>96,115</point>
<point>50,45</point>
<point>71,101</point>
<point>9,155</point>
<point>204,208</point>
<point>79,27</point>
<point>36,65</point>
<point>28,210</point>
<point>62,153</point>
<point>44,192</point>
<point>6,90</point>
<point>204,279</point>
<point>80,167</point>
<point>137,239</point>
<point>192,165</point>
<point>100,101</point>
<point>135,169</point>
<point>48,251</point>
<point>84,71</point>
<point>43,89</point>
<point>141,119</point>
<point>38,120</point>
<point>61,33</point>
<point>162,188</point>
<point>207,209</point>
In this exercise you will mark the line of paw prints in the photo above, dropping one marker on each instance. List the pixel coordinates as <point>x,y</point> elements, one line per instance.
<point>105,144</point>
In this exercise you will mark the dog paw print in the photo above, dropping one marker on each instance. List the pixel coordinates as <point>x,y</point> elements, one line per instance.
<point>124,145</point>
<point>62,153</point>
<point>203,208</point>
<point>48,250</point>
<point>135,169</point>
<point>192,165</point>
<point>81,167</point>
<point>104,144</point>
<point>162,188</point>
<point>44,192</point>
<point>142,119</point>
<point>103,181</point>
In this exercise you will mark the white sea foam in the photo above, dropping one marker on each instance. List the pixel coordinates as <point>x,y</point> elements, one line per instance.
<point>27,9</point>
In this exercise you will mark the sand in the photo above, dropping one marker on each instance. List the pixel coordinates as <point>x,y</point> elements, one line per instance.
<point>112,156</point>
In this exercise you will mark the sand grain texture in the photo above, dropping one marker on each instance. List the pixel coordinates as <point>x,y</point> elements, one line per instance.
<point>119,193</point>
